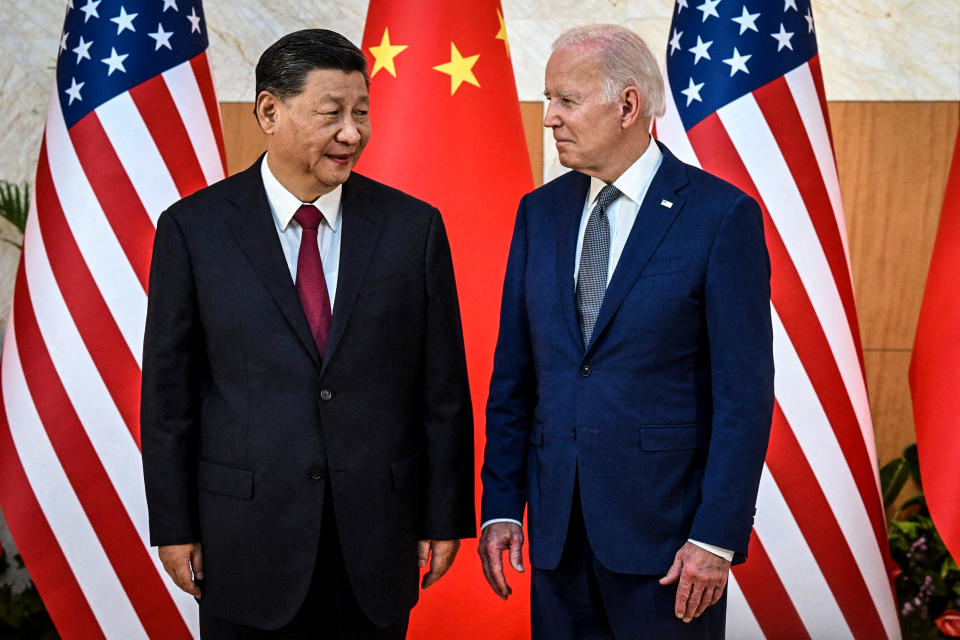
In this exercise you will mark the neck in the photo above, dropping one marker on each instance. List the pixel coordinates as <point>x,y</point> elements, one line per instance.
<point>618,163</point>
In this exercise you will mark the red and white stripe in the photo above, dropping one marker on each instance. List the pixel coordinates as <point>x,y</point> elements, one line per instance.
<point>819,564</point>
<point>71,485</point>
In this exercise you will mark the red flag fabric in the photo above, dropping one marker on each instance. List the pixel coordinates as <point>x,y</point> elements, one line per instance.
<point>745,101</point>
<point>447,129</point>
<point>935,371</point>
<point>132,126</point>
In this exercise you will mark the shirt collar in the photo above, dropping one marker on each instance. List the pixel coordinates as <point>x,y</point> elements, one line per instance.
<point>284,204</point>
<point>634,181</point>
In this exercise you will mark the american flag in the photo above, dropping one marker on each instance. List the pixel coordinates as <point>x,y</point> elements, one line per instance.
<point>132,126</point>
<point>745,101</point>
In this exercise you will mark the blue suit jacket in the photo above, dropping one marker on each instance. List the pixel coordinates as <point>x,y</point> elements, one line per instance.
<point>666,416</point>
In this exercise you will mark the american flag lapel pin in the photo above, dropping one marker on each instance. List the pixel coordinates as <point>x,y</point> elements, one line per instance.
<point>666,203</point>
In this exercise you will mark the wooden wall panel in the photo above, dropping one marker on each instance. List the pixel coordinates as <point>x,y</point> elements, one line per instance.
<point>893,159</point>
<point>532,114</point>
<point>242,138</point>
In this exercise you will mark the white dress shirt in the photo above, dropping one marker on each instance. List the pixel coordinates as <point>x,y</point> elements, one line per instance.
<point>283,205</point>
<point>622,213</point>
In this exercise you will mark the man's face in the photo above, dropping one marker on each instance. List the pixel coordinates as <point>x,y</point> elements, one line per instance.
<point>318,135</point>
<point>586,128</point>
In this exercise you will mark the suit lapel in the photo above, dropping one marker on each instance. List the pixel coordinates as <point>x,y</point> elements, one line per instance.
<point>256,234</point>
<point>569,207</point>
<point>652,223</point>
<point>361,223</point>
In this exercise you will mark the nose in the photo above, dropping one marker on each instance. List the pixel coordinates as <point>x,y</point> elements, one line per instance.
<point>349,134</point>
<point>550,118</point>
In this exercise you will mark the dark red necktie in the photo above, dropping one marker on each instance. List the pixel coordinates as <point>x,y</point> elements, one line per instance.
<point>311,285</point>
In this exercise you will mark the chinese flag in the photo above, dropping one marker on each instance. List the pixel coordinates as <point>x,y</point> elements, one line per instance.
<point>447,129</point>
<point>935,371</point>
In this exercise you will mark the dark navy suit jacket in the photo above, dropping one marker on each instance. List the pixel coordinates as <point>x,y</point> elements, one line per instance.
<point>665,417</point>
<point>247,431</point>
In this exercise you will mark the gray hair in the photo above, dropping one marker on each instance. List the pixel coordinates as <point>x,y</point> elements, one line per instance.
<point>626,60</point>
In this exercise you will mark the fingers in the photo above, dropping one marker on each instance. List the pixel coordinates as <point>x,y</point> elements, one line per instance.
<point>196,562</point>
<point>423,550</point>
<point>180,562</point>
<point>702,578</point>
<point>697,601</point>
<point>493,542</point>
<point>516,548</point>
<point>183,577</point>
<point>673,574</point>
<point>441,559</point>
<point>684,591</point>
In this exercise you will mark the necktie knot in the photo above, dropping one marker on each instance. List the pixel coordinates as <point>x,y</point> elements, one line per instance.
<point>607,195</point>
<point>308,217</point>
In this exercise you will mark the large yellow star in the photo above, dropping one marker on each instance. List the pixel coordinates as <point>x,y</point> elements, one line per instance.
<point>502,34</point>
<point>384,55</point>
<point>459,69</point>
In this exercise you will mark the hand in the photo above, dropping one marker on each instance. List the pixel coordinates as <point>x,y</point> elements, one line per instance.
<point>497,538</point>
<point>184,563</point>
<point>702,574</point>
<point>441,552</point>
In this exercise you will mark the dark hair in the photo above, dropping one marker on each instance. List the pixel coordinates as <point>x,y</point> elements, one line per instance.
<point>283,67</point>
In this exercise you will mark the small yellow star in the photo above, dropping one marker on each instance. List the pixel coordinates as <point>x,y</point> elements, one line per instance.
<point>459,69</point>
<point>502,34</point>
<point>384,55</point>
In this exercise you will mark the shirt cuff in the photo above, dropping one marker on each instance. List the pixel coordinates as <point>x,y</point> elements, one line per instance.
<point>495,520</point>
<point>726,554</point>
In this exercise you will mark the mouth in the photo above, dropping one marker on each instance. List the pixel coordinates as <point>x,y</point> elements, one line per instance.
<point>340,159</point>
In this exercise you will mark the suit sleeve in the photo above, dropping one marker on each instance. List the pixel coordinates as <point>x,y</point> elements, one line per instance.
<point>448,412</point>
<point>737,307</point>
<point>512,393</point>
<point>169,404</point>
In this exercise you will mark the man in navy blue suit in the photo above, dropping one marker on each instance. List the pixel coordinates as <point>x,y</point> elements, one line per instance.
<point>632,391</point>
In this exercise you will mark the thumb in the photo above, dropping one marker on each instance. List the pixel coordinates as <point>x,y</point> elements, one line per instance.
<point>423,551</point>
<point>674,573</point>
<point>196,561</point>
<point>516,558</point>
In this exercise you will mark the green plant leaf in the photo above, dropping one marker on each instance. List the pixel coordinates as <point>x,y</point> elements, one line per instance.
<point>15,203</point>
<point>917,500</point>
<point>910,455</point>
<point>893,476</point>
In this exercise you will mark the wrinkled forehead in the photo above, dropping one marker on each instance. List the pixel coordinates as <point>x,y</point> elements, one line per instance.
<point>334,85</point>
<point>576,69</point>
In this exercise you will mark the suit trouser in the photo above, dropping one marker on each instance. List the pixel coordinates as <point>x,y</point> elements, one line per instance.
<point>330,610</point>
<point>583,600</point>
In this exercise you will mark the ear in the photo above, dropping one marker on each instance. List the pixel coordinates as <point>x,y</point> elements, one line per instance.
<point>631,107</point>
<point>268,106</point>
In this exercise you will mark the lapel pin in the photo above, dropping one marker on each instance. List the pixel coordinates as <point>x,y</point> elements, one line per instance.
<point>666,203</point>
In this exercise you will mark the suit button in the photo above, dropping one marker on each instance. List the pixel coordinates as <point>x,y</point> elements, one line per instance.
<point>573,433</point>
<point>325,394</point>
<point>585,371</point>
<point>316,475</point>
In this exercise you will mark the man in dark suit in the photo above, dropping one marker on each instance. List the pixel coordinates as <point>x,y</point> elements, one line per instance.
<point>306,422</point>
<point>632,390</point>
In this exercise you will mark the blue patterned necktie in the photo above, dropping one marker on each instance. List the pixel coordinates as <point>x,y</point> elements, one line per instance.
<point>594,259</point>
